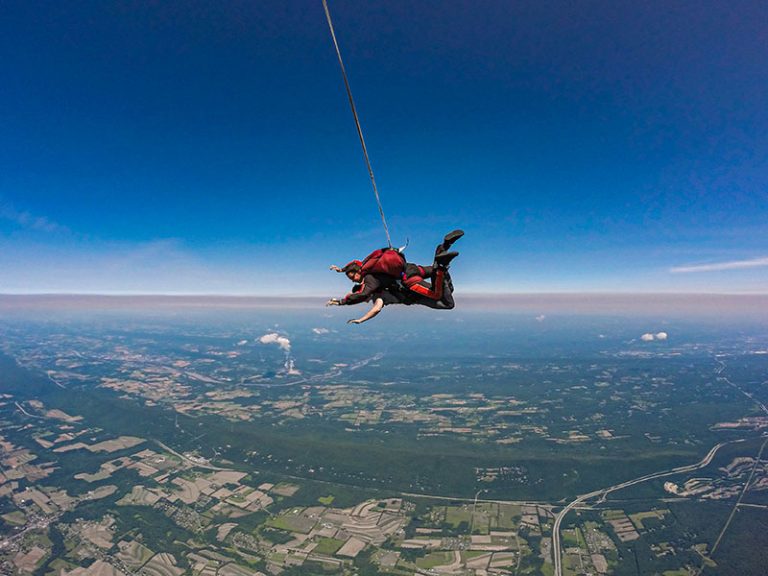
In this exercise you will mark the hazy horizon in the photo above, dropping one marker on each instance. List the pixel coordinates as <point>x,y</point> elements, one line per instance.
<point>538,304</point>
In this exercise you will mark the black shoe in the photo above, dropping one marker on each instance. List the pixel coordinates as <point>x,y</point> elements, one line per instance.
<point>444,258</point>
<point>451,237</point>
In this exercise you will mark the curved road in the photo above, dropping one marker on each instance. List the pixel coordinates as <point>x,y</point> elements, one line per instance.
<point>603,492</point>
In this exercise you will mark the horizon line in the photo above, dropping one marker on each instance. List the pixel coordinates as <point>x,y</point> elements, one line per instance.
<point>473,294</point>
<point>577,303</point>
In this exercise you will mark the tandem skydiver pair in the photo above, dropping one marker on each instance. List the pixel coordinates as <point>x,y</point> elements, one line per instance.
<point>384,277</point>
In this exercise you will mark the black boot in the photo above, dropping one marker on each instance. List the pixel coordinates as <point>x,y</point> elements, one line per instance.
<point>448,241</point>
<point>451,237</point>
<point>443,259</point>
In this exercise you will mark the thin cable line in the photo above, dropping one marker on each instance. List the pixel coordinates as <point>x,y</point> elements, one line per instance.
<point>357,123</point>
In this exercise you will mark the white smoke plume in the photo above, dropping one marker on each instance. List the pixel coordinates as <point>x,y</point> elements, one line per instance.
<point>290,368</point>
<point>274,338</point>
<point>285,346</point>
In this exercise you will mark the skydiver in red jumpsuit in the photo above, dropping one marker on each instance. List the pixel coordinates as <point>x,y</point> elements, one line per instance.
<point>381,286</point>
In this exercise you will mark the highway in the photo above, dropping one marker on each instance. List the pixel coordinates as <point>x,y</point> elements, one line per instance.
<point>741,497</point>
<point>603,492</point>
<point>557,552</point>
<point>719,372</point>
<point>20,407</point>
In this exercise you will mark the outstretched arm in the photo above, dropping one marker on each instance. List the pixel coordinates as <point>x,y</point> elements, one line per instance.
<point>364,292</point>
<point>378,304</point>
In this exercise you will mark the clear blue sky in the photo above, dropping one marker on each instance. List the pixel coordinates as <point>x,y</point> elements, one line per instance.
<point>208,147</point>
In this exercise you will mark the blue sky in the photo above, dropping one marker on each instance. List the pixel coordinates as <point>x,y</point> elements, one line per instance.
<point>203,147</point>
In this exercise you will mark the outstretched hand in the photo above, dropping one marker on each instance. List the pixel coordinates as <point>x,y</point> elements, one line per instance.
<point>355,321</point>
<point>333,302</point>
<point>335,268</point>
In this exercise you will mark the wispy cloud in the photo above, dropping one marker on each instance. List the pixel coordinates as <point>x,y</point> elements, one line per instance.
<point>27,220</point>
<point>716,266</point>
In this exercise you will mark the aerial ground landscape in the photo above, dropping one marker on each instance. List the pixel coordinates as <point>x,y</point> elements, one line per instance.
<point>247,439</point>
<point>384,288</point>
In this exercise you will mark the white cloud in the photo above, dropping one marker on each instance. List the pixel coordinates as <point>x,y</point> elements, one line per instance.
<point>540,318</point>
<point>242,342</point>
<point>648,337</point>
<point>28,220</point>
<point>320,330</point>
<point>274,338</point>
<point>717,266</point>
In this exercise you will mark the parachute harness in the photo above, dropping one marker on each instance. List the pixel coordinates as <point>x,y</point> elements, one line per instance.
<point>357,122</point>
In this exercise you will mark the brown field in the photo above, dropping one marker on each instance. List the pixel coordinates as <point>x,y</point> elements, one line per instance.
<point>59,415</point>
<point>227,477</point>
<point>99,534</point>
<point>26,562</point>
<point>100,492</point>
<point>139,496</point>
<point>188,492</point>
<point>235,570</point>
<point>351,548</point>
<point>133,554</point>
<point>163,564</point>
<point>98,568</point>
<point>284,489</point>
<point>121,443</point>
